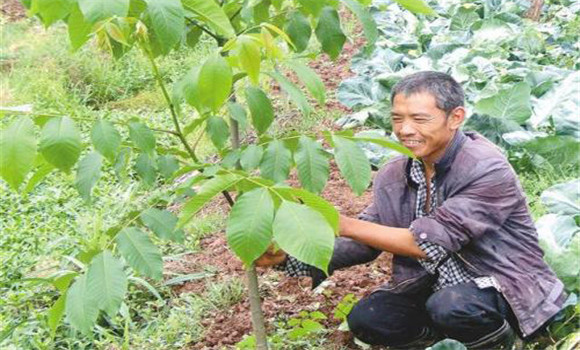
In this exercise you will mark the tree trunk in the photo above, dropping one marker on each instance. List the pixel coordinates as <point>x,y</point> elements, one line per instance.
<point>535,10</point>
<point>258,324</point>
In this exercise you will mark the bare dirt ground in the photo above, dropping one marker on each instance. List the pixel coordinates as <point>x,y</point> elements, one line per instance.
<point>12,10</point>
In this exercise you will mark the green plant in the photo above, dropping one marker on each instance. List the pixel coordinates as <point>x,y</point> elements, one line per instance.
<point>306,324</point>
<point>254,41</point>
<point>559,234</point>
<point>344,307</point>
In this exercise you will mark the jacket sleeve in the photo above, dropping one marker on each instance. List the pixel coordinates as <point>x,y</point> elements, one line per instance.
<point>348,252</point>
<point>481,206</point>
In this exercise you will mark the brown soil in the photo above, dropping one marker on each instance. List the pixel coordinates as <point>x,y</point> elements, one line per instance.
<point>12,10</point>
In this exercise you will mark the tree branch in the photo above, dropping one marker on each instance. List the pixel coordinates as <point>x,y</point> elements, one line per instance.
<point>204,29</point>
<point>170,104</point>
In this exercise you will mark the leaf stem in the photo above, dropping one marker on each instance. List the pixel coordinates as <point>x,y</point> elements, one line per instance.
<point>204,29</point>
<point>170,104</point>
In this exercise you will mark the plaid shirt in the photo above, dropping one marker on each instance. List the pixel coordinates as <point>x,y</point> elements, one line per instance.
<point>450,269</point>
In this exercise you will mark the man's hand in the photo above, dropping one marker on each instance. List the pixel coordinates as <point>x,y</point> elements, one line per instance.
<point>271,257</point>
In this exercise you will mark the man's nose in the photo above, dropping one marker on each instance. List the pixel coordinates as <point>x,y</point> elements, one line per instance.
<point>407,128</point>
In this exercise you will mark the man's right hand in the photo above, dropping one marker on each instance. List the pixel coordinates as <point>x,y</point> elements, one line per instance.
<point>271,257</point>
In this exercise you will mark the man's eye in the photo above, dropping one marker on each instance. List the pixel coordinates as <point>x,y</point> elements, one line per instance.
<point>397,120</point>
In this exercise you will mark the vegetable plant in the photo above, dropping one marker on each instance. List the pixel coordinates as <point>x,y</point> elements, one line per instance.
<point>521,85</point>
<point>257,42</point>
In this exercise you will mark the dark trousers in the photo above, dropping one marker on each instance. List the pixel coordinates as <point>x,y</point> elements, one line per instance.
<point>477,317</point>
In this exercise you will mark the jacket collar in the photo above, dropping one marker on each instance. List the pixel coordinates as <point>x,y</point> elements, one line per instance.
<point>443,164</point>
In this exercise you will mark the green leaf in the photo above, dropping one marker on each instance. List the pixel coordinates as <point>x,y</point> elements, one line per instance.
<point>310,79</point>
<point>312,7</point>
<point>107,282</point>
<point>365,18</point>
<point>60,143</point>
<point>81,309</point>
<point>41,172</point>
<point>299,31</point>
<point>315,202</point>
<point>360,91</point>
<point>238,113</point>
<point>329,33</point>
<point>353,164</point>
<point>215,82</point>
<point>218,131</point>
<point>512,103</point>
<point>96,10</point>
<point>304,234</point>
<point>167,21</point>
<point>416,6</point>
<point>463,19</point>
<point>53,10</point>
<point>249,229</point>
<point>106,139</point>
<point>276,162</point>
<point>142,137</point>
<point>557,150</point>
<point>145,167</point>
<point>260,109</point>
<point>121,162</point>
<point>294,92</point>
<point>208,190</point>
<point>192,36</point>
<point>63,280</point>
<point>448,344</point>
<point>88,173</point>
<point>251,157</point>
<point>167,165</point>
<point>563,198</point>
<point>188,87</point>
<point>212,14</point>
<point>249,55</point>
<point>492,32</point>
<point>17,151</point>
<point>55,313</point>
<point>312,164</point>
<point>138,250</point>
<point>561,103</point>
<point>162,223</point>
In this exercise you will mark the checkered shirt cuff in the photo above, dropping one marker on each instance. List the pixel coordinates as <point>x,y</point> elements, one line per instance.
<point>292,267</point>
<point>435,254</point>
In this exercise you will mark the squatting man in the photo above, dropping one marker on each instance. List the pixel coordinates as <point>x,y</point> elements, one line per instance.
<point>466,259</point>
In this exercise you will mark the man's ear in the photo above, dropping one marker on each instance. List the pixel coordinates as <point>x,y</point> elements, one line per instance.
<point>456,118</point>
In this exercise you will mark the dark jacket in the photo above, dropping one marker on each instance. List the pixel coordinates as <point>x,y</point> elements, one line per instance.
<point>482,217</point>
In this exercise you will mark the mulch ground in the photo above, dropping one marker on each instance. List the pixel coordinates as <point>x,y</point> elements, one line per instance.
<point>12,10</point>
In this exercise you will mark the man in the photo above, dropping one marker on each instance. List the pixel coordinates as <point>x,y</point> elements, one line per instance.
<point>466,263</point>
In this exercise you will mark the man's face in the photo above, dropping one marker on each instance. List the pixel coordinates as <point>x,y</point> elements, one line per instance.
<point>422,127</point>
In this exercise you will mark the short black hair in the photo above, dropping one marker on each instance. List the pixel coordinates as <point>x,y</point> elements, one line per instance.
<point>447,92</point>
